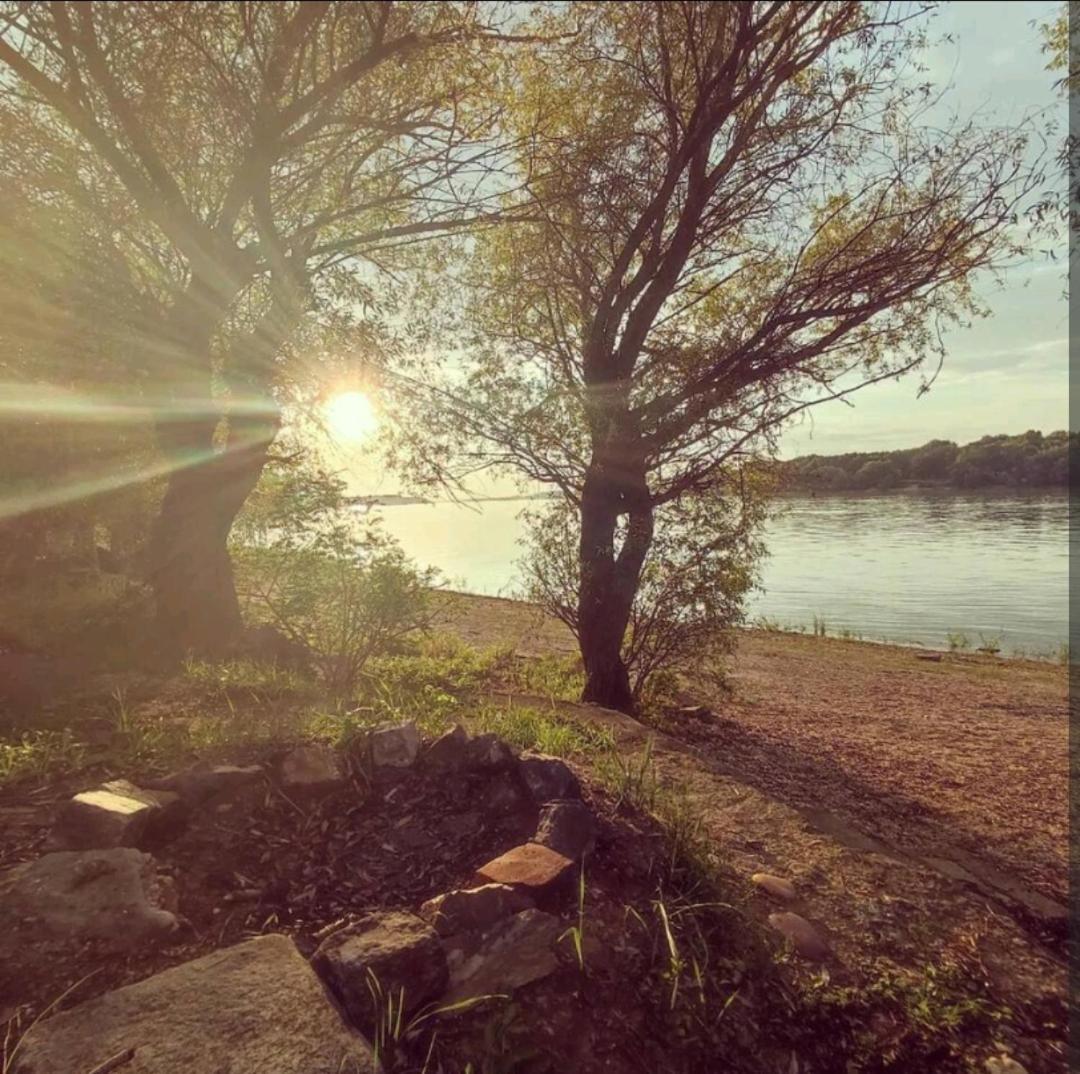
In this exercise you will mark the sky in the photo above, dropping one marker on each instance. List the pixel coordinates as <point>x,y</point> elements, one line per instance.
<point>1009,372</point>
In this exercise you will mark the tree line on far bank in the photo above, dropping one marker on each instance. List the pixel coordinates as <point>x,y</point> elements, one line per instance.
<point>1031,460</point>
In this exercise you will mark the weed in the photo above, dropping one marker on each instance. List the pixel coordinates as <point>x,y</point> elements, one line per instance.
<point>991,644</point>
<point>821,627</point>
<point>900,1021</point>
<point>957,641</point>
<point>40,753</point>
<point>392,1030</point>
<point>577,932</point>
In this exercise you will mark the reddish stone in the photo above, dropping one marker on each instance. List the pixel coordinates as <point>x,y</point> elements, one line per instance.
<point>534,869</point>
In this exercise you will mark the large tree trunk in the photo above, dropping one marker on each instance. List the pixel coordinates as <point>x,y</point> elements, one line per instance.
<point>191,573</point>
<point>197,609</point>
<point>609,579</point>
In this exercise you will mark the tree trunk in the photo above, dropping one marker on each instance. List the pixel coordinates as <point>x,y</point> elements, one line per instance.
<point>191,573</point>
<point>609,580</point>
<point>197,609</point>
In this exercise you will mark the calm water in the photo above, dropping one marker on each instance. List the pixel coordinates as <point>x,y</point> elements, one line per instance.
<point>909,567</point>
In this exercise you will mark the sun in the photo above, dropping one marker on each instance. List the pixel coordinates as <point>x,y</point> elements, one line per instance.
<point>350,416</point>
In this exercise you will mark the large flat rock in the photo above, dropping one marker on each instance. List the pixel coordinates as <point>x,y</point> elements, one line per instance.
<point>517,951</point>
<point>257,1008</point>
<point>113,897</point>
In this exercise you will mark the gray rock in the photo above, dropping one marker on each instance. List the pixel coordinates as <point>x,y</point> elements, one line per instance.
<point>568,826</point>
<point>547,778</point>
<point>117,814</point>
<point>203,781</point>
<point>473,908</point>
<point>394,747</point>
<point>449,751</point>
<point>397,949</point>
<point>504,795</point>
<point>488,752</point>
<point>515,952</point>
<point>806,939</point>
<point>112,896</point>
<point>311,769</point>
<point>256,1008</point>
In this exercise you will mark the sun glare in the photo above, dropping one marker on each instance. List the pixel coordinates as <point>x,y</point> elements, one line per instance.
<point>350,416</point>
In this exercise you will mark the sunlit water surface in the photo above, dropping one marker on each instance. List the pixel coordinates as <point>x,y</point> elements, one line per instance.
<point>912,567</point>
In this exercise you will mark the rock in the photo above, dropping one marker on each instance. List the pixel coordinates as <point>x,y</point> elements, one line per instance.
<point>547,778</point>
<point>112,896</point>
<point>541,873</point>
<point>394,747</point>
<point>256,1008</point>
<point>515,952</point>
<point>504,795</point>
<point>933,657</point>
<point>567,826</point>
<point>696,712</point>
<point>487,752</point>
<point>118,814</point>
<point>1004,1064</point>
<point>312,769</point>
<point>473,908</point>
<point>806,939</point>
<point>776,886</point>
<point>203,781</point>
<point>397,948</point>
<point>449,751</point>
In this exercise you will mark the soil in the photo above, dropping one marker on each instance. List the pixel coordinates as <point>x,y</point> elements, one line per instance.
<point>918,808</point>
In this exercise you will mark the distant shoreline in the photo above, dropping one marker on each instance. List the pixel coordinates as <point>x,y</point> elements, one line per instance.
<point>793,493</point>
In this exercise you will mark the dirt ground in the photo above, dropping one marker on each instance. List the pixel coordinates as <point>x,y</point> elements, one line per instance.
<point>963,759</point>
<point>920,807</point>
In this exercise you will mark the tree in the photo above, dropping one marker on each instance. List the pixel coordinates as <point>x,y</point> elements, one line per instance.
<point>736,211</point>
<point>701,566</point>
<point>876,474</point>
<point>255,164</point>
<point>933,460</point>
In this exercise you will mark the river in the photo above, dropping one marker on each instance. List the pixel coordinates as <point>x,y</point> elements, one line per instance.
<point>983,568</point>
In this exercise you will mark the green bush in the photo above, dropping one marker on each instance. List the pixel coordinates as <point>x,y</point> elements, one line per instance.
<point>328,580</point>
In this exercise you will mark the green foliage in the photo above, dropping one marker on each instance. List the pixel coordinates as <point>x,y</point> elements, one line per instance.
<point>40,753</point>
<point>330,582</point>
<point>699,569</point>
<point>876,474</point>
<point>1029,460</point>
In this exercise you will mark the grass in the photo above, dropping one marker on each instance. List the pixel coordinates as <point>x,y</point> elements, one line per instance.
<point>957,641</point>
<point>41,754</point>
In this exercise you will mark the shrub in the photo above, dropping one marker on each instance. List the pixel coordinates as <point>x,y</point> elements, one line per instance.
<point>328,580</point>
